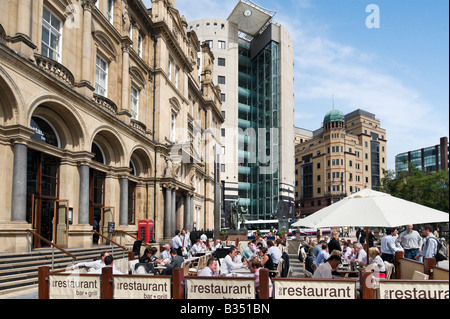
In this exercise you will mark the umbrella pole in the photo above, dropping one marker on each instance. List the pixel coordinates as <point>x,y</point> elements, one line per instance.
<point>367,245</point>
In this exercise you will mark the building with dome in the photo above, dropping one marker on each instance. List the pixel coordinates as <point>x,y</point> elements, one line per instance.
<point>347,154</point>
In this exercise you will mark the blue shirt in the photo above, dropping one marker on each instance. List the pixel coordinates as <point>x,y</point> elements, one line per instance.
<point>388,245</point>
<point>322,257</point>
<point>429,249</point>
<point>316,252</point>
<point>247,253</point>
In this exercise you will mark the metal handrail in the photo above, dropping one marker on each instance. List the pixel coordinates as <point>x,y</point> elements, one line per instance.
<point>109,239</point>
<point>112,242</point>
<point>51,244</point>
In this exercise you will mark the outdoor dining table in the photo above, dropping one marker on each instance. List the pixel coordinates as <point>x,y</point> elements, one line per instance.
<point>240,272</point>
<point>158,269</point>
<point>344,270</point>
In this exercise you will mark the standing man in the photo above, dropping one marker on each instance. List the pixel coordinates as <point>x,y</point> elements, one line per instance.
<point>431,243</point>
<point>388,247</point>
<point>177,244</point>
<point>185,241</point>
<point>411,242</point>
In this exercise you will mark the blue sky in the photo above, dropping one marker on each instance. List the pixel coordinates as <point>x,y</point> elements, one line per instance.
<point>399,71</point>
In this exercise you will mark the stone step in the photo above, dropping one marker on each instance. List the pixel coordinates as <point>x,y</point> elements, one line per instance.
<point>20,270</point>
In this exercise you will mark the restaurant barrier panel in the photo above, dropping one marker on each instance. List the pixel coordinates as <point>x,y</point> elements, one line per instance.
<point>81,285</point>
<point>413,289</point>
<point>315,288</point>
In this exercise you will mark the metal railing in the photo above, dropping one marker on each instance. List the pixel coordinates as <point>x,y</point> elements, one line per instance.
<point>111,242</point>
<point>132,236</point>
<point>53,245</point>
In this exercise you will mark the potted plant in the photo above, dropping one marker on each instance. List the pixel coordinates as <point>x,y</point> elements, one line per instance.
<point>223,235</point>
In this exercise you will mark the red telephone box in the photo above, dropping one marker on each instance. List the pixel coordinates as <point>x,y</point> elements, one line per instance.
<point>146,230</point>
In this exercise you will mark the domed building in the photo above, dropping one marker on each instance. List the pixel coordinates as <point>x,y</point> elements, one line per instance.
<point>344,156</point>
<point>334,119</point>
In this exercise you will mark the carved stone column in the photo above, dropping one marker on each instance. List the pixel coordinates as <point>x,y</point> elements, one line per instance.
<point>86,54</point>
<point>19,184</point>
<point>124,113</point>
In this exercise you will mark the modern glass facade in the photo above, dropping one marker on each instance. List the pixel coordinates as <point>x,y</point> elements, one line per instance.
<point>429,159</point>
<point>259,124</point>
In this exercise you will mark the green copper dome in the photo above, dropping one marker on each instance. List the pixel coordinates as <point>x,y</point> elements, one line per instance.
<point>334,116</point>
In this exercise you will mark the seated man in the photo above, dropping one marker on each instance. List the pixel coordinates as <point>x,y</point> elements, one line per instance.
<point>323,255</point>
<point>325,269</point>
<point>108,263</point>
<point>254,265</point>
<point>248,251</point>
<point>360,255</point>
<point>176,262</point>
<point>211,269</point>
<point>229,264</point>
<point>218,244</point>
<point>346,251</point>
<point>198,247</point>
<point>274,252</point>
<point>165,255</point>
<point>94,265</point>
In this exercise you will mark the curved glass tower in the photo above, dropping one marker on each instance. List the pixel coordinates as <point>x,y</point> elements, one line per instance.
<point>255,72</point>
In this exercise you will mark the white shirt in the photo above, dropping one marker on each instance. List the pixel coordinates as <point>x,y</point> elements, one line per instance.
<point>166,254</point>
<point>197,249</point>
<point>361,256</point>
<point>275,254</point>
<point>388,245</point>
<point>185,240</point>
<point>206,272</point>
<point>346,254</point>
<point>176,242</point>
<point>99,271</point>
<point>377,263</point>
<point>98,264</point>
<point>228,265</point>
<point>323,271</point>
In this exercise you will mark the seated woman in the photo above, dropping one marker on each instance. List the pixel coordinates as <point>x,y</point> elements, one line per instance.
<point>376,264</point>
<point>148,260</point>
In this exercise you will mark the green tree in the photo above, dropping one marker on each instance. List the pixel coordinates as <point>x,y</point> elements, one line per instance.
<point>428,189</point>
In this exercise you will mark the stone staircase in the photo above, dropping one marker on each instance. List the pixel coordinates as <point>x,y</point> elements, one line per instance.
<point>19,271</point>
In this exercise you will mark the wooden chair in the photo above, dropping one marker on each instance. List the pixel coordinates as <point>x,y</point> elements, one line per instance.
<point>194,271</point>
<point>186,265</point>
<point>419,276</point>
<point>277,272</point>
<point>389,269</point>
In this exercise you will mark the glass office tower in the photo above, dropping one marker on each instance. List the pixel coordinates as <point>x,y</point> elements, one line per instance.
<point>254,59</point>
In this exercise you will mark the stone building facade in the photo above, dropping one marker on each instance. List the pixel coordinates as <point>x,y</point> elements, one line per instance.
<point>347,154</point>
<point>105,116</point>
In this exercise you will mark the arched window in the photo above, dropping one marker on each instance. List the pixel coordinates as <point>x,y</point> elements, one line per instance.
<point>99,156</point>
<point>44,131</point>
